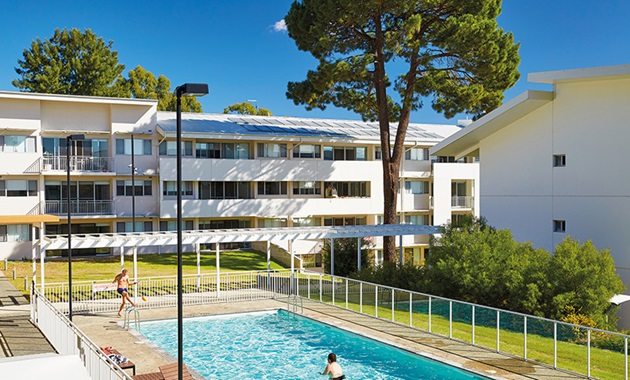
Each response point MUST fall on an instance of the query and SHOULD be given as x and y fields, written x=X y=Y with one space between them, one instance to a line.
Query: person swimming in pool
x=333 y=369
x=122 y=282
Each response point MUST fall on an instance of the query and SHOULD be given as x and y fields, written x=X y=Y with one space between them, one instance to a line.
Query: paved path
x=18 y=336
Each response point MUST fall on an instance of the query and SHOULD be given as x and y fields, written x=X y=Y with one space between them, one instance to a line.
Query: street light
x=69 y=139
x=187 y=89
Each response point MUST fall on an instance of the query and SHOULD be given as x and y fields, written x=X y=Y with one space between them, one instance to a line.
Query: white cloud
x=280 y=26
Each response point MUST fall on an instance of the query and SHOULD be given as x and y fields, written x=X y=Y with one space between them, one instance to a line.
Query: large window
x=417 y=154
x=140 y=227
x=170 y=188
x=307 y=188
x=272 y=188
x=124 y=188
x=223 y=224
x=272 y=222
x=141 y=147
x=171 y=225
x=417 y=219
x=169 y=148
x=417 y=187
x=17 y=144
x=53 y=146
x=347 y=189
x=208 y=150
x=225 y=190
x=307 y=151
x=82 y=190
x=18 y=188
x=344 y=153
x=345 y=221
x=15 y=232
x=307 y=222
x=270 y=150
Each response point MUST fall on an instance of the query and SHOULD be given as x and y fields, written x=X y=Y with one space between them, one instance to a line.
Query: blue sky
x=232 y=45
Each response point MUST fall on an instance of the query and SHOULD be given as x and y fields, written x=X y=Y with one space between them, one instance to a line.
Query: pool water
x=279 y=345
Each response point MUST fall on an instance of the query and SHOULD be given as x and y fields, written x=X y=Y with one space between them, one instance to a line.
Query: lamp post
x=69 y=140
x=187 y=89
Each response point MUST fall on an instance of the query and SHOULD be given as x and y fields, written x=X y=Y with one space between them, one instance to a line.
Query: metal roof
x=213 y=124
x=144 y=239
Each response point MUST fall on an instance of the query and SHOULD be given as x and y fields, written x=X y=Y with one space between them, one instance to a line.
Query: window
x=341 y=153
x=223 y=224
x=170 y=188
x=378 y=257
x=559 y=226
x=141 y=147
x=140 y=226
x=345 y=221
x=306 y=222
x=442 y=159
x=18 y=188
x=272 y=222
x=269 y=150
x=124 y=188
x=417 y=187
x=272 y=188
x=422 y=220
x=307 y=188
x=169 y=148
x=17 y=144
x=307 y=151
x=347 y=189
x=559 y=160
x=417 y=154
x=224 y=190
x=208 y=150
x=171 y=225
x=15 y=232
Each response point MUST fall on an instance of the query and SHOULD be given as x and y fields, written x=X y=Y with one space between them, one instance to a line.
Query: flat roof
x=203 y=125
x=76 y=98
x=467 y=140
x=144 y=239
x=579 y=75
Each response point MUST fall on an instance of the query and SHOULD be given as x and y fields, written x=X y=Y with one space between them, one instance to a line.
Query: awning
x=28 y=219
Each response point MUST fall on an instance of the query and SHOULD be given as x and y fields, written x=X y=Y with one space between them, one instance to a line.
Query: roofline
x=579 y=75
x=76 y=98
x=466 y=140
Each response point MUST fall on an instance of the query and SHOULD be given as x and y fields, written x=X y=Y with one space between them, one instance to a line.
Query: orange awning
x=27 y=219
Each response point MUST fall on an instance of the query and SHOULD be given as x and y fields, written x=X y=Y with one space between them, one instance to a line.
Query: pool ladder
x=136 y=318
x=292 y=304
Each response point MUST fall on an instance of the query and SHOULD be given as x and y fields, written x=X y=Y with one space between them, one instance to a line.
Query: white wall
x=443 y=175
x=20 y=114
x=75 y=117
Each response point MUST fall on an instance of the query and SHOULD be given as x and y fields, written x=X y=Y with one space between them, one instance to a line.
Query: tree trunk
x=391 y=175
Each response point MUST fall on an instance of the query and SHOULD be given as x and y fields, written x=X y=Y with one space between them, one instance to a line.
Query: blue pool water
x=279 y=345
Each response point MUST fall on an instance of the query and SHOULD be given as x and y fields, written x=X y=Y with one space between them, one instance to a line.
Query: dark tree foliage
x=384 y=58
x=144 y=85
x=345 y=256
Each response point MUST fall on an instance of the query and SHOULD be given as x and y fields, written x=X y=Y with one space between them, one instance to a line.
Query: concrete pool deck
x=107 y=330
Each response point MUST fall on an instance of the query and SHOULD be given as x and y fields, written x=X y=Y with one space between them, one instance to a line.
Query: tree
x=71 y=62
x=246 y=108
x=345 y=256
x=450 y=50
x=144 y=85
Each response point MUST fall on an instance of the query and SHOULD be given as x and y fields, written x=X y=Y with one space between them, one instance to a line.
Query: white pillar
x=218 y=265
x=292 y=265
x=359 y=253
x=268 y=256
x=332 y=257
x=42 y=257
x=198 y=250
x=122 y=258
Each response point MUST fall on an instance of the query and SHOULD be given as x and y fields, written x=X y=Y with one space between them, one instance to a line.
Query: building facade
x=551 y=162
x=238 y=172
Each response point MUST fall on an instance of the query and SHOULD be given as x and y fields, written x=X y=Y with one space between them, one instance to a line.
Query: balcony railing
x=100 y=207
x=77 y=163
x=461 y=202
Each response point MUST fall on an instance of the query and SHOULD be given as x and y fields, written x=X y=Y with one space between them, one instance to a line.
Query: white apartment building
x=552 y=162
x=238 y=172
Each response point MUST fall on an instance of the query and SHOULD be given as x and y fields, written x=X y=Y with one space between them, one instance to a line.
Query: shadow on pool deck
x=106 y=330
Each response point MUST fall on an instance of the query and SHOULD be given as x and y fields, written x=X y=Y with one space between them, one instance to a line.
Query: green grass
x=149 y=265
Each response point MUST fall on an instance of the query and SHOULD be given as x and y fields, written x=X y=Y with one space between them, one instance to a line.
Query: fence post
x=473 y=325
x=346 y=293
x=555 y=345
x=393 y=304
x=25 y=282
x=6 y=264
x=588 y=353
x=14 y=273
x=332 y=284
x=410 y=309
x=525 y=338
x=361 y=297
x=308 y=283
x=376 y=300
x=321 y=282
x=429 y=313
x=625 y=354
x=498 y=329
x=450 y=319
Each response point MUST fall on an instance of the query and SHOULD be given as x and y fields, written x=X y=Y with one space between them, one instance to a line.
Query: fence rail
x=587 y=351
x=78 y=163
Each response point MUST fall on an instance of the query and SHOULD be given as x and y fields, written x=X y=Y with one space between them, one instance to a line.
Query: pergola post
x=122 y=258
x=198 y=250
x=218 y=265
x=332 y=256
x=292 y=265
x=135 y=274
x=42 y=258
x=401 y=250
x=359 y=254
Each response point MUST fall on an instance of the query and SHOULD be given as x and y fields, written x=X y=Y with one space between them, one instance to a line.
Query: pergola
x=196 y=238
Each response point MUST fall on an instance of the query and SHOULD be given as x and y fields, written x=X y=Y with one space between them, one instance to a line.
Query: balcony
x=100 y=207
x=77 y=163
x=462 y=202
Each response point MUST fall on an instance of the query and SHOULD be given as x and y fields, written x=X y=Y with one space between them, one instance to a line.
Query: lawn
x=149 y=265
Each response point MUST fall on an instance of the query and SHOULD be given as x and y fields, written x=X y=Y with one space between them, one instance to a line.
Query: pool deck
x=107 y=330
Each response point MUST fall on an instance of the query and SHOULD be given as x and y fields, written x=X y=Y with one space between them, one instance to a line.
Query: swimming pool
x=279 y=345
